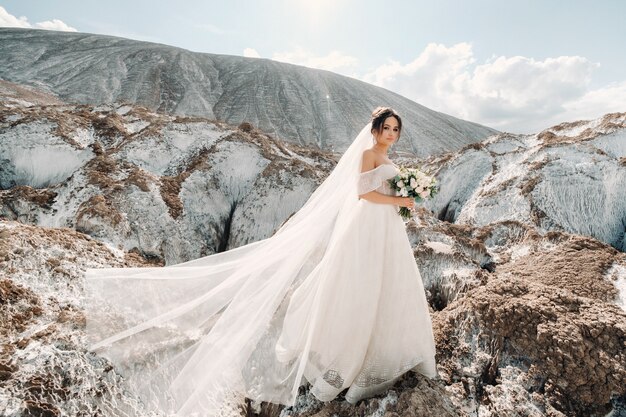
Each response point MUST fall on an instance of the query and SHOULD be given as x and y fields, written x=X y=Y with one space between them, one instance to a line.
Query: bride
x=333 y=299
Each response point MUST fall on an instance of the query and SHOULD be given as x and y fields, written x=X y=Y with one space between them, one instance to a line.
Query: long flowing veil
x=196 y=337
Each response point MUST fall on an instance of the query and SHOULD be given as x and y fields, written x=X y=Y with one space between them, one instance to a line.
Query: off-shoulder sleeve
x=368 y=181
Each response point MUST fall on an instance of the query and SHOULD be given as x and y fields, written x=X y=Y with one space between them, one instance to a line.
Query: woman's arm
x=376 y=197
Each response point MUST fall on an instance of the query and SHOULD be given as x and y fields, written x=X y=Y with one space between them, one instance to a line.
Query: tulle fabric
x=371 y=180
x=334 y=298
x=377 y=180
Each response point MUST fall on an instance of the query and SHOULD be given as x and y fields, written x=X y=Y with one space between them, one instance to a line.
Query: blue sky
x=517 y=66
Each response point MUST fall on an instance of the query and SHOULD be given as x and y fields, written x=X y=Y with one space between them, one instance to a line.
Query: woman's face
x=389 y=133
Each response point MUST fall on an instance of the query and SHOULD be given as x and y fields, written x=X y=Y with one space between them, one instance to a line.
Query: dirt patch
x=68 y=122
x=499 y=188
x=189 y=119
x=570 y=345
x=18 y=92
x=100 y=207
x=171 y=185
x=18 y=307
x=43 y=198
x=170 y=188
x=101 y=170
x=527 y=186
x=555 y=135
x=550 y=313
x=245 y=127
x=577 y=265
x=136 y=257
x=476 y=146
x=537 y=165
x=108 y=125
x=139 y=178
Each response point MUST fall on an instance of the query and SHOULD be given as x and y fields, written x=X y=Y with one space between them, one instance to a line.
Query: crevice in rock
x=445 y=215
x=489 y=265
x=222 y=245
x=491 y=371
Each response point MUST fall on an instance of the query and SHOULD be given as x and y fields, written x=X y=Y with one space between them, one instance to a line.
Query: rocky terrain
x=168 y=187
x=45 y=369
x=294 y=103
x=570 y=177
x=525 y=324
x=521 y=253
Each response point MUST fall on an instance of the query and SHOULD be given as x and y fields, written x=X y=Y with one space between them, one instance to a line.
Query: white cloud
x=8 y=20
x=251 y=53
x=55 y=24
x=516 y=94
x=333 y=61
x=595 y=103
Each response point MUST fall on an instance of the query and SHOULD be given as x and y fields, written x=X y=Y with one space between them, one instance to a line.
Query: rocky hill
x=294 y=103
x=169 y=187
x=570 y=177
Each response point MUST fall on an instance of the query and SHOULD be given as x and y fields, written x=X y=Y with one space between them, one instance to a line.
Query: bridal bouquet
x=411 y=182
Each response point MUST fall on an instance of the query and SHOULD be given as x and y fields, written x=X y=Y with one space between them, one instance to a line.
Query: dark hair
x=380 y=114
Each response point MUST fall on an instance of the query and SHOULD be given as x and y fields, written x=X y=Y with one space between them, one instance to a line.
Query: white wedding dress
x=371 y=312
x=334 y=299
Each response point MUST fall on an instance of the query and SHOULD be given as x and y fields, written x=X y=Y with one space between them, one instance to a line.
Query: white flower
x=404 y=192
x=413 y=183
x=400 y=184
x=424 y=194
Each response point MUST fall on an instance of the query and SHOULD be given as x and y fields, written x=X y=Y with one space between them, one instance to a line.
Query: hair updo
x=380 y=114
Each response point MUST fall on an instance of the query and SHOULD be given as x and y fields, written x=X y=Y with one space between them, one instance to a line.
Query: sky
x=517 y=66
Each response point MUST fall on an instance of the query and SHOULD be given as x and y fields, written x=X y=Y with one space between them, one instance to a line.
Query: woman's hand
x=407 y=202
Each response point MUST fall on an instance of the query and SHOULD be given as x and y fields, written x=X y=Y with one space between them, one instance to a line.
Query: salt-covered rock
x=173 y=190
x=45 y=368
x=543 y=331
x=573 y=181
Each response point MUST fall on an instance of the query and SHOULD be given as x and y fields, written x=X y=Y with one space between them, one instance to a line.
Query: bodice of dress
x=376 y=180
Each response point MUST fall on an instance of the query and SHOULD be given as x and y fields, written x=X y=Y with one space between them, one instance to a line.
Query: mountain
x=287 y=101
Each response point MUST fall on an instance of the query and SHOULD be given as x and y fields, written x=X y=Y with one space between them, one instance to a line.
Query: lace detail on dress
x=376 y=179
x=377 y=374
x=333 y=378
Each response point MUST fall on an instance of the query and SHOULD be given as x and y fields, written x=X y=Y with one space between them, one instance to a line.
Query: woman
x=334 y=298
